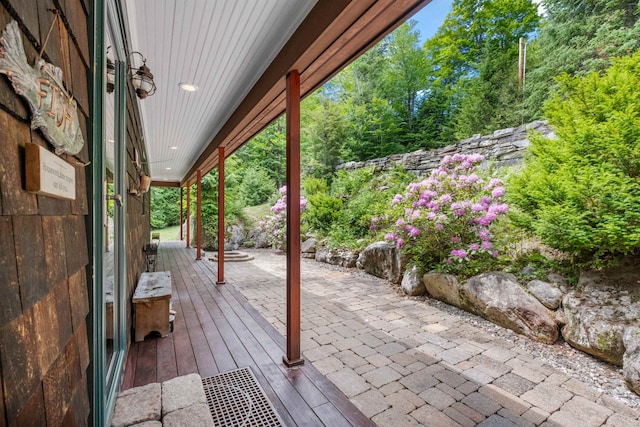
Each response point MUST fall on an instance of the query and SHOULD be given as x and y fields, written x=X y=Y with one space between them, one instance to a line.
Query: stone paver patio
x=405 y=363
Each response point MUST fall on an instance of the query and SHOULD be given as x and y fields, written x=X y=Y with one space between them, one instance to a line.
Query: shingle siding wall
x=44 y=246
x=44 y=347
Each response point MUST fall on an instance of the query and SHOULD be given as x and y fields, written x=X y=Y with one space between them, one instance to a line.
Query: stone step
x=176 y=402
x=232 y=256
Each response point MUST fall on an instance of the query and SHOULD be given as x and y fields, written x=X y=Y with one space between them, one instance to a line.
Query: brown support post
x=292 y=358
x=188 y=214
x=198 y=215
x=220 y=216
x=181 y=214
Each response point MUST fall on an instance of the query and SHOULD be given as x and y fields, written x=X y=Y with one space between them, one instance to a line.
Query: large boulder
x=606 y=305
x=257 y=238
x=341 y=257
x=631 y=359
x=234 y=238
x=499 y=298
x=547 y=294
x=308 y=248
x=412 y=283
x=443 y=287
x=383 y=260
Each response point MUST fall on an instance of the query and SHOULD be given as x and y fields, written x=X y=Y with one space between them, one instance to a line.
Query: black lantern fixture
x=142 y=79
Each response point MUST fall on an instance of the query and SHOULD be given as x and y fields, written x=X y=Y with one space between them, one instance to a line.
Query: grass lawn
x=254 y=214
x=257 y=213
x=170 y=233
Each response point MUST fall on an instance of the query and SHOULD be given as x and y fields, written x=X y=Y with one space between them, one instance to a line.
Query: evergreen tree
x=471 y=62
x=323 y=134
x=406 y=78
x=578 y=37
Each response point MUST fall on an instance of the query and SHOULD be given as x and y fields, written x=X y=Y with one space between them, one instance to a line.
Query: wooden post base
x=291 y=363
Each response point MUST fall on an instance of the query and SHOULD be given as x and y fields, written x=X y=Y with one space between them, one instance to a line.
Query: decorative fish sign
x=53 y=111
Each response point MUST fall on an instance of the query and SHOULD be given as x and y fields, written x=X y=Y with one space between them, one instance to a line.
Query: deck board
x=217 y=330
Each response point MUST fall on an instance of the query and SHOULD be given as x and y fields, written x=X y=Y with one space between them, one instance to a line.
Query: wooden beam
x=181 y=213
x=172 y=184
x=293 y=358
x=198 y=215
x=220 y=280
x=188 y=214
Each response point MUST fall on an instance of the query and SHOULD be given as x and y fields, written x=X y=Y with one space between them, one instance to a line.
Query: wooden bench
x=151 y=301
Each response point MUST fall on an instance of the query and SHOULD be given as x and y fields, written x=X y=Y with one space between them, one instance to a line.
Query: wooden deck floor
x=217 y=330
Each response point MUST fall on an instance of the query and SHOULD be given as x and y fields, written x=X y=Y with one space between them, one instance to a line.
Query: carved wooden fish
x=53 y=111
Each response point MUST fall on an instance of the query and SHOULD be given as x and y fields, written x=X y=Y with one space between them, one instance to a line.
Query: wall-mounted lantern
x=142 y=79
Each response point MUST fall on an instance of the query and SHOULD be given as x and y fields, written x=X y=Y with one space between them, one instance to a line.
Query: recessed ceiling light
x=168 y=169
x=174 y=147
x=188 y=87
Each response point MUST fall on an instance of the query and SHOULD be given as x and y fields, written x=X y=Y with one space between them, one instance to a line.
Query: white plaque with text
x=48 y=174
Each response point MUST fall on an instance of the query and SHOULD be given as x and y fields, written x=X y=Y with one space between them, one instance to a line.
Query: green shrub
x=165 y=207
x=322 y=211
x=232 y=209
x=365 y=195
x=314 y=186
x=580 y=192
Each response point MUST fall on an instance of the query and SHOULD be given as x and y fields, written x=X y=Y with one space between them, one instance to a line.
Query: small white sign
x=48 y=174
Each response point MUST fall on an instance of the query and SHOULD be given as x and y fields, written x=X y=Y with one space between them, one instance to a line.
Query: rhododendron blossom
x=448 y=216
x=276 y=225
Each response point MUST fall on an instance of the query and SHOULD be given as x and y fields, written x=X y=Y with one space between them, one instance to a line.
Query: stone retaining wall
x=503 y=147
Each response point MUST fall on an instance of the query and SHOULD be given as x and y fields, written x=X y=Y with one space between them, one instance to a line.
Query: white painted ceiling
x=223 y=47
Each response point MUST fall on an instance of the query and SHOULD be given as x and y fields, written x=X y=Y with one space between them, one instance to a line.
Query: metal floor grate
x=235 y=398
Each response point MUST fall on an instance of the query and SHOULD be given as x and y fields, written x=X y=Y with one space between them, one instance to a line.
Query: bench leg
x=151 y=317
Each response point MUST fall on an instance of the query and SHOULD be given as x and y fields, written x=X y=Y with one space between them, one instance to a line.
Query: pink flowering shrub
x=276 y=225
x=448 y=217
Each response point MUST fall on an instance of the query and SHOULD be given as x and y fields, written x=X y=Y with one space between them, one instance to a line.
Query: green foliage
x=165 y=207
x=256 y=186
x=266 y=151
x=580 y=192
x=489 y=99
x=322 y=211
x=233 y=204
x=314 y=186
x=578 y=37
x=343 y=213
x=379 y=97
x=473 y=63
x=540 y=266
x=473 y=30
x=406 y=76
x=323 y=134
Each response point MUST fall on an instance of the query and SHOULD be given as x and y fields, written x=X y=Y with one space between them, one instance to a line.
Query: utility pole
x=522 y=65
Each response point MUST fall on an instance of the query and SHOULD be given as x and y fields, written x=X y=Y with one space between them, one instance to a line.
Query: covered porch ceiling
x=238 y=53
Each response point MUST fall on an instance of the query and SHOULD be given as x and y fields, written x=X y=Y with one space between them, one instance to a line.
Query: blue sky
x=431 y=17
